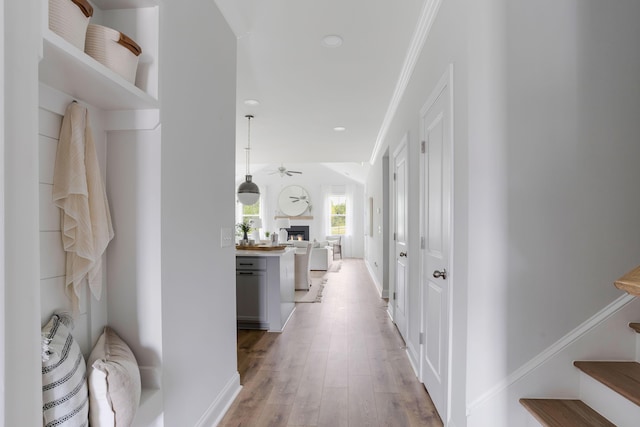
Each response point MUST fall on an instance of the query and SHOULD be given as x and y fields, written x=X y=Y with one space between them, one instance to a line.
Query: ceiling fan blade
x=288 y=173
x=295 y=172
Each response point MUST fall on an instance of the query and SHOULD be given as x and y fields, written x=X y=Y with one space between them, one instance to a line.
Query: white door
x=400 y=233
x=436 y=132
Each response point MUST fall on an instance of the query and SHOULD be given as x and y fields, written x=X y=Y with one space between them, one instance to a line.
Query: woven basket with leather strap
x=114 y=50
x=69 y=19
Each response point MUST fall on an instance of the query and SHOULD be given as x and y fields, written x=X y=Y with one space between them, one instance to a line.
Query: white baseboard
x=286 y=321
x=390 y=314
x=220 y=406
x=414 y=359
x=374 y=279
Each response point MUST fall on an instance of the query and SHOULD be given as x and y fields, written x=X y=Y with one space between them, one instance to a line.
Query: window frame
x=343 y=200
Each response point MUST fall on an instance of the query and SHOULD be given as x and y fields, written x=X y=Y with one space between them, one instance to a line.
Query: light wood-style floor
x=340 y=362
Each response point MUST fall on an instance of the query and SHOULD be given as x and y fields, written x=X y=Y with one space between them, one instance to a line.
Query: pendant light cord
x=249 y=117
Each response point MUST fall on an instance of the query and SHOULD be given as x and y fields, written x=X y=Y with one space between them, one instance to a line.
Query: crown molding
x=427 y=18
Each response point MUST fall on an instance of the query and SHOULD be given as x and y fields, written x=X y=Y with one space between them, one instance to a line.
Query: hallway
x=338 y=363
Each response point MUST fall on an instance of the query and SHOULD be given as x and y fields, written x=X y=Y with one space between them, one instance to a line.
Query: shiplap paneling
x=47 y=146
x=49 y=213
x=92 y=314
x=52 y=291
x=52 y=256
x=50 y=124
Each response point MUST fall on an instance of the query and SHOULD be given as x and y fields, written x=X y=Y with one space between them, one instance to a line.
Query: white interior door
x=400 y=232
x=436 y=232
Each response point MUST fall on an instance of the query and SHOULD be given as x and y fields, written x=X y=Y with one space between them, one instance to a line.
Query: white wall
x=553 y=173
x=545 y=217
x=22 y=385
x=445 y=45
x=2 y=184
x=314 y=177
x=134 y=255
x=374 y=245
x=197 y=89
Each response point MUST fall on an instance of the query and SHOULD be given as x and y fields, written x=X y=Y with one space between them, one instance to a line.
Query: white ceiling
x=306 y=89
x=356 y=172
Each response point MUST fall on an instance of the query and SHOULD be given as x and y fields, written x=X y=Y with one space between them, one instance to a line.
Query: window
x=338 y=214
x=250 y=212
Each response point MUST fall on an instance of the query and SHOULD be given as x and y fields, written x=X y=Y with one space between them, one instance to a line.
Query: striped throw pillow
x=64 y=386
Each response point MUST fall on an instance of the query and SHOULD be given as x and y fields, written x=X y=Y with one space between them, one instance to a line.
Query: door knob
x=440 y=274
x=403 y=254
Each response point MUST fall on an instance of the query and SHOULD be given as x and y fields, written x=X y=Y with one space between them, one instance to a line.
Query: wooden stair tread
x=623 y=377
x=635 y=327
x=630 y=282
x=564 y=413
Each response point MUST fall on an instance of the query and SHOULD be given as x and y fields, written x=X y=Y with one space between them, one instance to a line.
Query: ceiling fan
x=284 y=171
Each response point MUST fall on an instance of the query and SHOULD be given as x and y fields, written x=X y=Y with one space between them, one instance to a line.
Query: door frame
x=440 y=89
x=404 y=143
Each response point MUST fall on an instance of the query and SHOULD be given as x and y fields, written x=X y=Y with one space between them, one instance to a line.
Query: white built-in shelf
x=70 y=70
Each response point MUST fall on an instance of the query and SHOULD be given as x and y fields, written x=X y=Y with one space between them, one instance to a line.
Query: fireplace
x=298 y=232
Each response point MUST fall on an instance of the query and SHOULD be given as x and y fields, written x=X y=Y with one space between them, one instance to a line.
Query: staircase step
x=635 y=327
x=630 y=282
x=622 y=377
x=564 y=413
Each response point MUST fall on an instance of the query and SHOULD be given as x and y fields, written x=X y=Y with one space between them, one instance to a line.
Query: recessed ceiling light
x=251 y=102
x=339 y=128
x=332 y=40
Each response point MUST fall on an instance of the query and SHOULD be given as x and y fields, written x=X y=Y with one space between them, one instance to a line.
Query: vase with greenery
x=244 y=227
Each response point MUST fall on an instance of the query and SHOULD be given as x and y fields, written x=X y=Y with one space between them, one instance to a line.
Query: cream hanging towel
x=79 y=192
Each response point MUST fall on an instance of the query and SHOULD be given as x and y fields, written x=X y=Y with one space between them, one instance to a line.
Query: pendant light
x=248 y=191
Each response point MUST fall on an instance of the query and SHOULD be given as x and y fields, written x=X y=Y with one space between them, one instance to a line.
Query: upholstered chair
x=336 y=242
x=302 y=265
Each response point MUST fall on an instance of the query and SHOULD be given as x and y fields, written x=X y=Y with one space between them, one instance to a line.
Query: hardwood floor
x=340 y=362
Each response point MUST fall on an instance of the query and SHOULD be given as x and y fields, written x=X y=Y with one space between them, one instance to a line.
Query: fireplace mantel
x=292 y=217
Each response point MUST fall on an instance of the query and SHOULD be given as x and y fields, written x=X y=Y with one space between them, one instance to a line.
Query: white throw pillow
x=64 y=385
x=114 y=382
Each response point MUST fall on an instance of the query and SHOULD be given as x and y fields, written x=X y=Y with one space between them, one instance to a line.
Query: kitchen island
x=265 y=295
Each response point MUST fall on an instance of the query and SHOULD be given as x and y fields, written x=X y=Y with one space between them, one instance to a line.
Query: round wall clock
x=293 y=200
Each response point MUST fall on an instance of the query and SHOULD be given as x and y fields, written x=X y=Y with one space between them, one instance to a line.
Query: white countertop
x=249 y=252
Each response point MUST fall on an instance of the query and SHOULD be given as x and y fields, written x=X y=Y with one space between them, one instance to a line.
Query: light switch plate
x=226 y=237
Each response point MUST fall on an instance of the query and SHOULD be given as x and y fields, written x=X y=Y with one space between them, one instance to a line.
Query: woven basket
x=69 y=19
x=114 y=50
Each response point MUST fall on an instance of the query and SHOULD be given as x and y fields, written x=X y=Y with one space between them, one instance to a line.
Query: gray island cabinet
x=264 y=289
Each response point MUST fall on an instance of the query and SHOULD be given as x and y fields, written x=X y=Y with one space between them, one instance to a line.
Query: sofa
x=322 y=256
